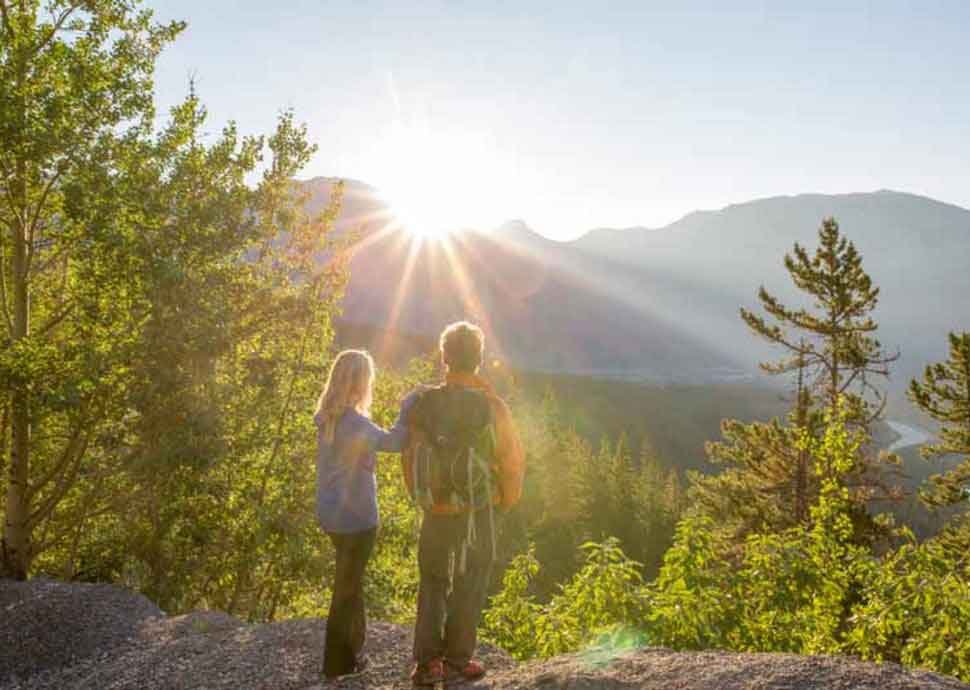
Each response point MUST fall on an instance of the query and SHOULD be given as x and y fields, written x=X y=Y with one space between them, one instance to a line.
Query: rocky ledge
x=58 y=635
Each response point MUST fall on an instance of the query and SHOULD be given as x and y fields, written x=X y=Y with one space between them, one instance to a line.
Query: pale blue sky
x=579 y=115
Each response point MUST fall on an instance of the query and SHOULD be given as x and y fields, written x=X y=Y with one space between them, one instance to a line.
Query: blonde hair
x=350 y=385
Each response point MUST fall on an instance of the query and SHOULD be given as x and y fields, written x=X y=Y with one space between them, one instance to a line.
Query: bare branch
x=56 y=26
x=13 y=205
x=878 y=411
x=64 y=482
x=849 y=381
x=56 y=319
x=32 y=226
x=4 y=417
x=4 y=308
x=51 y=259
x=57 y=468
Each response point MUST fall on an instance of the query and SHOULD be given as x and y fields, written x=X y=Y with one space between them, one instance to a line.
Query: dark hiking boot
x=429 y=674
x=360 y=665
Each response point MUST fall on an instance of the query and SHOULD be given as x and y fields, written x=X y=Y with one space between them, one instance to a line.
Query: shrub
x=602 y=605
x=917 y=610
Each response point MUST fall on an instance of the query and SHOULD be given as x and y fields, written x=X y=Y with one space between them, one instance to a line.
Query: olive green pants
x=450 y=602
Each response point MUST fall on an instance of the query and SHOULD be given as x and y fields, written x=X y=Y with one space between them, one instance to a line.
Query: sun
x=422 y=205
x=436 y=182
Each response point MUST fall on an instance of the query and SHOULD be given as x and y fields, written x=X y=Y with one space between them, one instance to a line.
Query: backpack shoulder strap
x=423 y=411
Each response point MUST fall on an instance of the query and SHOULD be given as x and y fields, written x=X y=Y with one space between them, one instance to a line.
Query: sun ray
x=413 y=247
x=361 y=225
x=470 y=297
x=433 y=180
x=623 y=285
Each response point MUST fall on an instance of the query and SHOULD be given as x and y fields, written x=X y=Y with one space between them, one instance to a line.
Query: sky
x=572 y=116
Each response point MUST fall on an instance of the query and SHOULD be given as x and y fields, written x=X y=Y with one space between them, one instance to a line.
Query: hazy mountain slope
x=360 y=204
x=538 y=312
x=916 y=249
x=658 y=304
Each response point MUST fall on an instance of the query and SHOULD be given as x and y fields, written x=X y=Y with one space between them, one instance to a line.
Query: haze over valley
x=657 y=304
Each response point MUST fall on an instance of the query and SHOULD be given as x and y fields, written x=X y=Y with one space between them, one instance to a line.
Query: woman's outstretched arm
x=393 y=439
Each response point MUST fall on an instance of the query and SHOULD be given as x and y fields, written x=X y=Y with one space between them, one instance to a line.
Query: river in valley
x=908 y=436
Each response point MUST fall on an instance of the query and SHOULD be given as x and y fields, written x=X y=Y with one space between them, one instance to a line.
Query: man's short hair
x=462 y=347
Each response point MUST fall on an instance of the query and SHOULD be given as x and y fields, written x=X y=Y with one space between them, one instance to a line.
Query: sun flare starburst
x=437 y=182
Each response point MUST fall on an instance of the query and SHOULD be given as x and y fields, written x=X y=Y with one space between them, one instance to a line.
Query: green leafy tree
x=211 y=503
x=606 y=495
x=767 y=481
x=810 y=589
x=841 y=565
x=944 y=394
x=549 y=518
x=167 y=327
x=75 y=105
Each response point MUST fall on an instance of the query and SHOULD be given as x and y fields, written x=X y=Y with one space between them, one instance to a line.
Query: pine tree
x=764 y=485
x=769 y=482
x=944 y=394
x=837 y=350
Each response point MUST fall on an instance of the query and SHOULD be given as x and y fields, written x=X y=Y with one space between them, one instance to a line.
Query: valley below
x=658 y=305
x=908 y=436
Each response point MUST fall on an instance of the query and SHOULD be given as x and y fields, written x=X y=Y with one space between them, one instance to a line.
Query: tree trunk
x=801 y=471
x=15 y=546
x=16 y=530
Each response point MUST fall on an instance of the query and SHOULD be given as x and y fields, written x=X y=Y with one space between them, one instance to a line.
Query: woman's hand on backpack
x=407 y=402
x=413 y=394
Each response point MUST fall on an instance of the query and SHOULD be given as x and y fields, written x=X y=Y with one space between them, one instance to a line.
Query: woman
x=347 y=446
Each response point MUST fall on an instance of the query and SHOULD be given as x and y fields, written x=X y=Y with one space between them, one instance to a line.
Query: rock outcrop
x=58 y=635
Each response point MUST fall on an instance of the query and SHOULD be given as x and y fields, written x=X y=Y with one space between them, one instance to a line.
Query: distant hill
x=916 y=249
x=657 y=304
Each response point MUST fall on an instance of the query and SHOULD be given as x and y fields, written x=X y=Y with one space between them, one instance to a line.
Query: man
x=463 y=464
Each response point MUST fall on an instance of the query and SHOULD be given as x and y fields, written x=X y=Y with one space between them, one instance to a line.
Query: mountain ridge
x=357 y=186
x=761 y=201
x=658 y=305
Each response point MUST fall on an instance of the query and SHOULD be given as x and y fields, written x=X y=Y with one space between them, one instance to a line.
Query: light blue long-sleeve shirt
x=346 y=484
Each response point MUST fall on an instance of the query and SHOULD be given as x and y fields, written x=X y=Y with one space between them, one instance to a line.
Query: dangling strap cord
x=491 y=511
